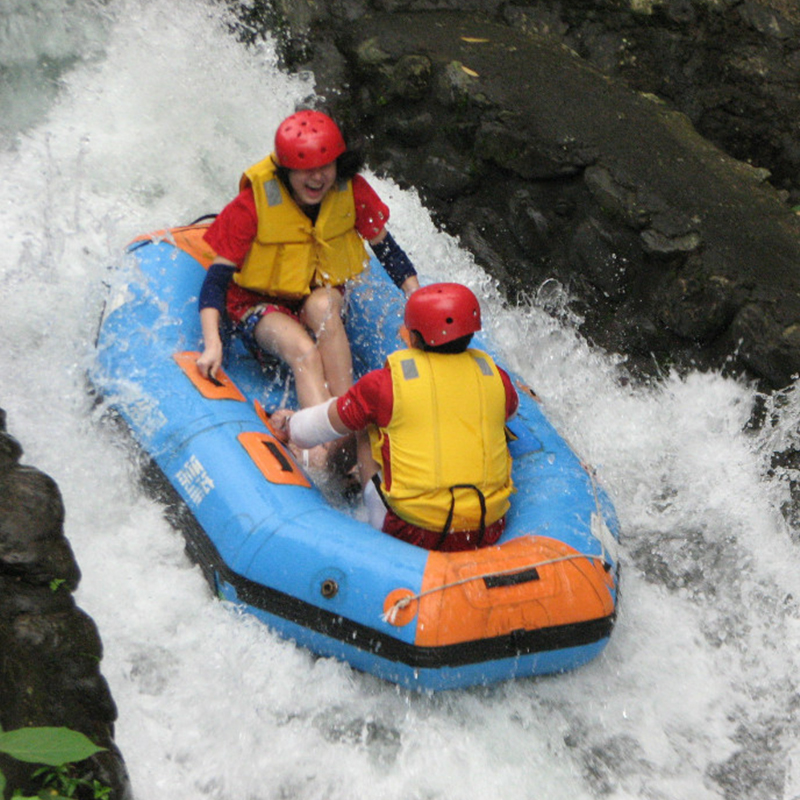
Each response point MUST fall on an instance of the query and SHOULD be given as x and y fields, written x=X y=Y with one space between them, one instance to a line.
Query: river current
x=126 y=116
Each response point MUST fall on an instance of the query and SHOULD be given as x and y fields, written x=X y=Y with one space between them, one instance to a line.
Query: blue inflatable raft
x=541 y=601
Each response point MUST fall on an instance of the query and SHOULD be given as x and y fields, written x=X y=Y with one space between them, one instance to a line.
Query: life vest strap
x=376 y=479
x=449 y=521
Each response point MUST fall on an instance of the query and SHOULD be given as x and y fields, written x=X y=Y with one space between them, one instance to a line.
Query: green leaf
x=52 y=746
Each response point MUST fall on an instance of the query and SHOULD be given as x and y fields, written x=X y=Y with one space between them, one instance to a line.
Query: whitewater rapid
x=127 y=116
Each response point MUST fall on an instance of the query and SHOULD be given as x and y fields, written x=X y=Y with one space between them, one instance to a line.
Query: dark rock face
x=50 y=649
x=522 y=131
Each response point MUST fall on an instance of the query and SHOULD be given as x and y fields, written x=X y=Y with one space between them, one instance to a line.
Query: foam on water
x=143 y=119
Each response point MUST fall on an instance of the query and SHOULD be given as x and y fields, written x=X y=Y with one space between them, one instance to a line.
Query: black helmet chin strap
x=449 y=521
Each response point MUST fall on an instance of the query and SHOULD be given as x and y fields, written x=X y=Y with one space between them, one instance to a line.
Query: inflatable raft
x=541 y=601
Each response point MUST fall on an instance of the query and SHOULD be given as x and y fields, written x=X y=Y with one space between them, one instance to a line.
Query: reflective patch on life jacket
x=483 y=365
x=410 y=369
x=272 y=191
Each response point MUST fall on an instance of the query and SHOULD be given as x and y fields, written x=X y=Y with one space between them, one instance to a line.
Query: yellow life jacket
x=450 y=466
x=290 y=255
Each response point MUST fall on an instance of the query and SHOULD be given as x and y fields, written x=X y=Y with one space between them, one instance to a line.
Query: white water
x=133 y=115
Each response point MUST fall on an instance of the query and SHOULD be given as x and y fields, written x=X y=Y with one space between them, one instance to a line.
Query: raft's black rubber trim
x=333 y=624
x=518 y=643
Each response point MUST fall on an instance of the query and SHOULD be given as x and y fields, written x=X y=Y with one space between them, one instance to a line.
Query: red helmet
x=307 y=140
x=443 y=312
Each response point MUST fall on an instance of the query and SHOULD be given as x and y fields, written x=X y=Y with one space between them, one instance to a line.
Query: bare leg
x=322 y=369
x=286 y=338
x=322 y=313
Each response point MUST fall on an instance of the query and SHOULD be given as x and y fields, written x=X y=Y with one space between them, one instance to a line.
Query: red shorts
x=453 y=541
x=241 y=303
x=246 y=308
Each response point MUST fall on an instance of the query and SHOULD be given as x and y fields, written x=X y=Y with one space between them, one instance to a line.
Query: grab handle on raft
x=271 y=458
x=511 y=579
x=219 y=388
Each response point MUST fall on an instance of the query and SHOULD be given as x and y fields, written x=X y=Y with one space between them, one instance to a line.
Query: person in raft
x=437 y=472
x=286 y=246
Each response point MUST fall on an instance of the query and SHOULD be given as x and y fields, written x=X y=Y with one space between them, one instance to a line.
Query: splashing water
x=128 y=117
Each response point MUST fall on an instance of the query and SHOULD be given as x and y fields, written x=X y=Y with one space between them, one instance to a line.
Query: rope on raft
x=390 y=615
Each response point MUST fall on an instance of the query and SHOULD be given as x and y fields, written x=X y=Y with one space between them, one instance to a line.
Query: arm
x=211 y=358
x=512 y=398
x=397 y=264
x=212 y=306
x=369 y=401
x=336 y=421
x=372 y=214
x=316 y=425
x=410 y=285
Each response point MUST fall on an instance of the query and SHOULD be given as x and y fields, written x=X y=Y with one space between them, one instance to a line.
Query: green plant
x=58 y=749
x=61 y=782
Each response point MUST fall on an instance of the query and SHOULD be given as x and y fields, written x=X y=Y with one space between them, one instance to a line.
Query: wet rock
x=697 y=307
x=50 y=649
x=412 y=130
x=766 y=341
x=645 y=155
x=528 y=223
x=32 y=544
x=603 y=257
x=10 y=449
x=618 y=198
x=411 y=77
